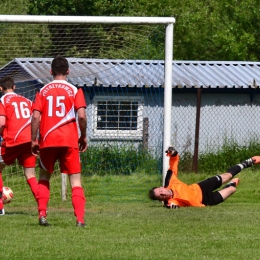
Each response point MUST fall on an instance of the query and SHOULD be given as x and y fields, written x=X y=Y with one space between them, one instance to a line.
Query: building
x=212 y=103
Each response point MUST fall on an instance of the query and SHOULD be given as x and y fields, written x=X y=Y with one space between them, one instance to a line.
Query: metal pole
x=64 y=187
x=197 y=132
x=167 y=94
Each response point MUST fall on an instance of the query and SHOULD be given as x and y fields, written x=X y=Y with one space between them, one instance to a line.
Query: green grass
x=123 y=224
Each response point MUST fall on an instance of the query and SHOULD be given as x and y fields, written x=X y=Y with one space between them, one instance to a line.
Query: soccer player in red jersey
x=54 y=114
x=176 y=193
x=15 y=130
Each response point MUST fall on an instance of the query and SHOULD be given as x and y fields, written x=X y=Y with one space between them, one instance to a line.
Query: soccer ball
x=7 y=195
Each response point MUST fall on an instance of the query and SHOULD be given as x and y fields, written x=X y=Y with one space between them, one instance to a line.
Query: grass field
x=123 y=224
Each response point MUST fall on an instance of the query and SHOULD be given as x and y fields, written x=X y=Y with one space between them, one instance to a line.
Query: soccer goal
x=123 y=64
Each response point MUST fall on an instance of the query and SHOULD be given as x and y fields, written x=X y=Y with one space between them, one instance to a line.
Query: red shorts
x=68 y=157
x=21 y=152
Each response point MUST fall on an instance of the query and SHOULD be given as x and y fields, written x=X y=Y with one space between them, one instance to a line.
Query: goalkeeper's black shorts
x=211 y=197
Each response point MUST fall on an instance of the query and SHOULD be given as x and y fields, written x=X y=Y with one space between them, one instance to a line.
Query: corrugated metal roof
x=140 y=73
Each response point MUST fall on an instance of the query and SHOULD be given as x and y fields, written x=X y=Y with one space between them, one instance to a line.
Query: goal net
x=120 y=63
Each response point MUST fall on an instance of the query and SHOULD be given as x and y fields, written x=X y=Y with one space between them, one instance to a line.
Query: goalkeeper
x=177 y=194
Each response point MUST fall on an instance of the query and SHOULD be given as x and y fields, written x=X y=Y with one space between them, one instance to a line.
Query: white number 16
x=21 y=110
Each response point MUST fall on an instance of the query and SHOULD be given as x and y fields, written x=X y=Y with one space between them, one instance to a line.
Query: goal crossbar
x=85 y=19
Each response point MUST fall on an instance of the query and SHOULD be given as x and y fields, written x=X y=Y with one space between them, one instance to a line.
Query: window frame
x=115 y=134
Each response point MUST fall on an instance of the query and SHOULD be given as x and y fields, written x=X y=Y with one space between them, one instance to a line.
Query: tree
x=110 y=41
x=204 y=30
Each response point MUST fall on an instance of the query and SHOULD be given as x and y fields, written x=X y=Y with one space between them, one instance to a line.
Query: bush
x=113 y=160
x=228 y=155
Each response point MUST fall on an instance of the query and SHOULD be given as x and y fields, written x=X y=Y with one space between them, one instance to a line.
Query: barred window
x=118 y=117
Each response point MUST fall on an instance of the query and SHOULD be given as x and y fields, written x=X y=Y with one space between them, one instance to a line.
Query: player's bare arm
x=82 y=121
x=36 y=118
x=2 y=124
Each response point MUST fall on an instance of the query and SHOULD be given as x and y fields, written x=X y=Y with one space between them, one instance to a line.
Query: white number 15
x=59 y=106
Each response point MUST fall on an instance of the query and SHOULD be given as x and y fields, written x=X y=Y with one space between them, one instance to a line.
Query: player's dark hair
x=151 y=193
x=7 y=83
x=59 y=66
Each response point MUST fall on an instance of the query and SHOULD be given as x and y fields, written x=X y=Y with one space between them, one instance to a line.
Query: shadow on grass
x=18 y=213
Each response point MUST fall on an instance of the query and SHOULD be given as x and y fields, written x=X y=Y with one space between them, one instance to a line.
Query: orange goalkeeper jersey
x=184 y=195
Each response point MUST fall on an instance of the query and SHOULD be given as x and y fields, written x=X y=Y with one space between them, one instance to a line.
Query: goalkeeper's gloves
x=172 y=206
x=256 y=159
x=171 y=151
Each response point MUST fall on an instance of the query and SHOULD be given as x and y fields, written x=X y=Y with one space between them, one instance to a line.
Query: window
x=118 y=117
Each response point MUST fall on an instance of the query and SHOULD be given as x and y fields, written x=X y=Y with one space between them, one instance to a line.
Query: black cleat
x=43 y=221
x=80 y=224
x=2 y=212
x=233 y=183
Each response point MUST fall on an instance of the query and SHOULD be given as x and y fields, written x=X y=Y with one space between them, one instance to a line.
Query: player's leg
x=77 y=198
x=218 y=197
x=226 y=192
x=230 y=188
x=46 y=164
x=227 y=176
x=2 y=211
x=6 y=158
x=43 y=196
x=29 y=174
x=234 y=170
x=28 y=161
x=70 y=164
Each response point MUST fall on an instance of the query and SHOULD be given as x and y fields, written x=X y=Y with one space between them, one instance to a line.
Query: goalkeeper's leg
x=230 y=188
x=234 y=170
x=245 y=164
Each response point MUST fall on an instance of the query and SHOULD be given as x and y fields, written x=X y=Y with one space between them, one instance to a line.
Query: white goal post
x=168 y=22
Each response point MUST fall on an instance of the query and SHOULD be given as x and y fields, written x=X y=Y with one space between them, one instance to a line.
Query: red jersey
x=17 y=110
x=57 y=102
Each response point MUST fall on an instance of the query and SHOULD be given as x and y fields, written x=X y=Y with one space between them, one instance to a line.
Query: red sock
x=1 y=191
x=78 y=202
x=32 y=182
x=43 y=196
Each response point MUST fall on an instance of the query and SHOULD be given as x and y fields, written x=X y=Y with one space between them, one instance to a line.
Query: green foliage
x=13 y=7
x=218 y=161
x=80 y=7
x=204 y=30
x=20 y=35
x=186 y=162
x=215 y=30
x=228 y=155
x=113 y=160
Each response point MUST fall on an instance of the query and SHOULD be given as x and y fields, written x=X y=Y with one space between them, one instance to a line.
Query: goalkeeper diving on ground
x=176 y=193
